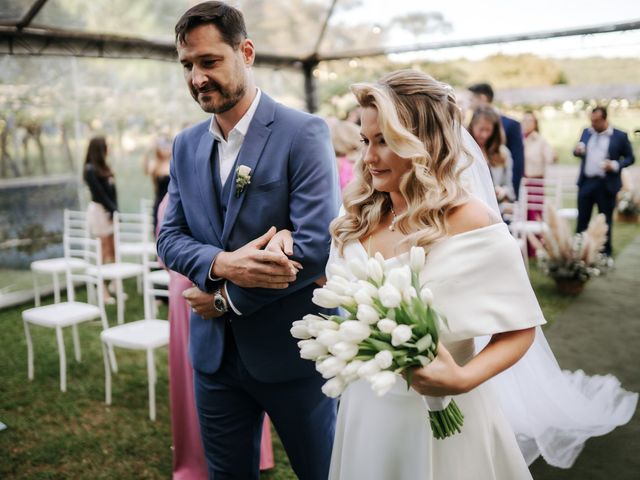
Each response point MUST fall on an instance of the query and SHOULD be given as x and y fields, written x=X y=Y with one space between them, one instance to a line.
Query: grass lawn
x=54 y=435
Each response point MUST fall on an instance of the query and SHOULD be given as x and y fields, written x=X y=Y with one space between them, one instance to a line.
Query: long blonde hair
x=420 y=120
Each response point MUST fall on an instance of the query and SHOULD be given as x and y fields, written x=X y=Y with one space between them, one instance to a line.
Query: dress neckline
x=440 y=243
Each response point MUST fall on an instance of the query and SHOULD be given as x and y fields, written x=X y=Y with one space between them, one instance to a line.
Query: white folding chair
x=147 y=334
x=75 y=226
x=133 y=235
x=70 y=313
x=566 y=194
x=119 y=270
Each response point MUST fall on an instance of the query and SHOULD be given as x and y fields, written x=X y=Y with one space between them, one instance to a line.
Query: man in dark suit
x=482 y=94
x=603 y=151
x=253 y=165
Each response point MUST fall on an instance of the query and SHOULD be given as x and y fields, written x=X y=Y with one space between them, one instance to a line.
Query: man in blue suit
x=603 y=151
x=254 y=165
x=482 y=94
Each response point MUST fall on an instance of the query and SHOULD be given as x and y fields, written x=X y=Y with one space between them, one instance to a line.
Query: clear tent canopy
x=73 y=69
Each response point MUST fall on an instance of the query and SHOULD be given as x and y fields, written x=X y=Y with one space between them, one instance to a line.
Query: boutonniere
x=243 y=178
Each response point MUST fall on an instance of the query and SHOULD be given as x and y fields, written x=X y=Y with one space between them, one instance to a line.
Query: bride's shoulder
x=472 y=215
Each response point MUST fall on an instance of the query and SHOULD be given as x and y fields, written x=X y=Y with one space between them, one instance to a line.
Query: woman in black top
x=104 y=201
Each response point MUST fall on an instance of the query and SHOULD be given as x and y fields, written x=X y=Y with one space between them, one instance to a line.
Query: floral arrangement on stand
x=387 y=327
x=628 y=207
x=571 y=259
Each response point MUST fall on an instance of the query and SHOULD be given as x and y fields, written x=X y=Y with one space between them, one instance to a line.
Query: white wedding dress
x=480 y=284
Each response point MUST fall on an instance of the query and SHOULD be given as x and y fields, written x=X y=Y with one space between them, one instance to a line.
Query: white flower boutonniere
x=243 y=178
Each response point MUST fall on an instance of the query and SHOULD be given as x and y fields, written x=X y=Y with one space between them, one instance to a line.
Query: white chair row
x=147 y=334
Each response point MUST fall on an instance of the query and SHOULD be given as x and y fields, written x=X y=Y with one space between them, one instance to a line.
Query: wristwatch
x=219 y=302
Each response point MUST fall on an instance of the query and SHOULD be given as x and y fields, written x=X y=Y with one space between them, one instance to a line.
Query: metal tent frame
x=23 y=37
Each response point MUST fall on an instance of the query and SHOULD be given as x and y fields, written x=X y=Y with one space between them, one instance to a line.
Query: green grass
x=54 y=435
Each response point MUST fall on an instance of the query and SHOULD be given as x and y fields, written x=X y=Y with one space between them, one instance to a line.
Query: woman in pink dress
x=188 y=455
x=345 y=137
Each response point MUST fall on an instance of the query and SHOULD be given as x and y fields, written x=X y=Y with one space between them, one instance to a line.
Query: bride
x=413 y=187
x=408 y=191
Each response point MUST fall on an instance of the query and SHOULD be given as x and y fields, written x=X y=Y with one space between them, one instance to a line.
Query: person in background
x=104 y=200
x=486 y=130
x=537 y=155
x=537 y=151
x=603 y=151
x=482 y=95
x=158 y=169
x=345 y=137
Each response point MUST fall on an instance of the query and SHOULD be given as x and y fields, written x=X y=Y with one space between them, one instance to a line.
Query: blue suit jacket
x=513 y=134
x=293 y=185
x=619 y=150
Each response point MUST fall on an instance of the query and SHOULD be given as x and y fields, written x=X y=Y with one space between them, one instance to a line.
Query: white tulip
x=382 y=382
x=344 y=350
x=386 y=326
x=368 y=368
x=311 y=317
x=326 y=325
x=350 y=372
x=358 y=269
x=334 y=387
x=326 y=298
x=400 y=278
x=378 y=256
x=328 y=338
x=389 y=295
x=409 y=294
x=330 y=367
x=384 y=359
x=338 y=285
x=353 y=331
x=300 y=330
x=426 y=295
x=400 y=334
x=334 y=269
x=370 y=288
x=367 y=314
x=374 y=270
x=362 y=297
x=311 y=349
x=416 y=259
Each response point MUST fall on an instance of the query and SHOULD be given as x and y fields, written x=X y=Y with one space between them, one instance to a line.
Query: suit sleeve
x=177 y=248
x=313 y=204
x=583 y=139
x=626 y=157
x=516 y=147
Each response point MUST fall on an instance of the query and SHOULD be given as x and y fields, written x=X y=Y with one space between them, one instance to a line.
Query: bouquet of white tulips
x=388 y=326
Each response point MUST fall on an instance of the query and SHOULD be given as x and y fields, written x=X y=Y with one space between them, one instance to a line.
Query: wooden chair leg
x=107 y=372
x=151 y=370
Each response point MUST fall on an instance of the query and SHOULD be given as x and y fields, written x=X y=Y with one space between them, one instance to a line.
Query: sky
x=478 y=19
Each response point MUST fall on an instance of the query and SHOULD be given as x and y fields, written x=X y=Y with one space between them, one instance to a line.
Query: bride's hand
x=443 y=376
x=282 y=241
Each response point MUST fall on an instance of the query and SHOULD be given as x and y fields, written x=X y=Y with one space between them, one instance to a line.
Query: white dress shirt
x=228 y=151
x=597 y=152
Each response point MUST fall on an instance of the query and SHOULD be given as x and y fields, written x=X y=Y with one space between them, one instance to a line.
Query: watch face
x=219 y=303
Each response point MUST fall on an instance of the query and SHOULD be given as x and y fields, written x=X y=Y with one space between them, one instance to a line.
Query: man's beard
x=229 y=98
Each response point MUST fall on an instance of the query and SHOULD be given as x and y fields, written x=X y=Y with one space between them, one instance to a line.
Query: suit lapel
x=250 y=153
x=204 y=177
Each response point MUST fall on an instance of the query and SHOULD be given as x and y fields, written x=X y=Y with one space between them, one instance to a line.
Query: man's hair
x=602 y=110
x=482 y=89
x=228 y=20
